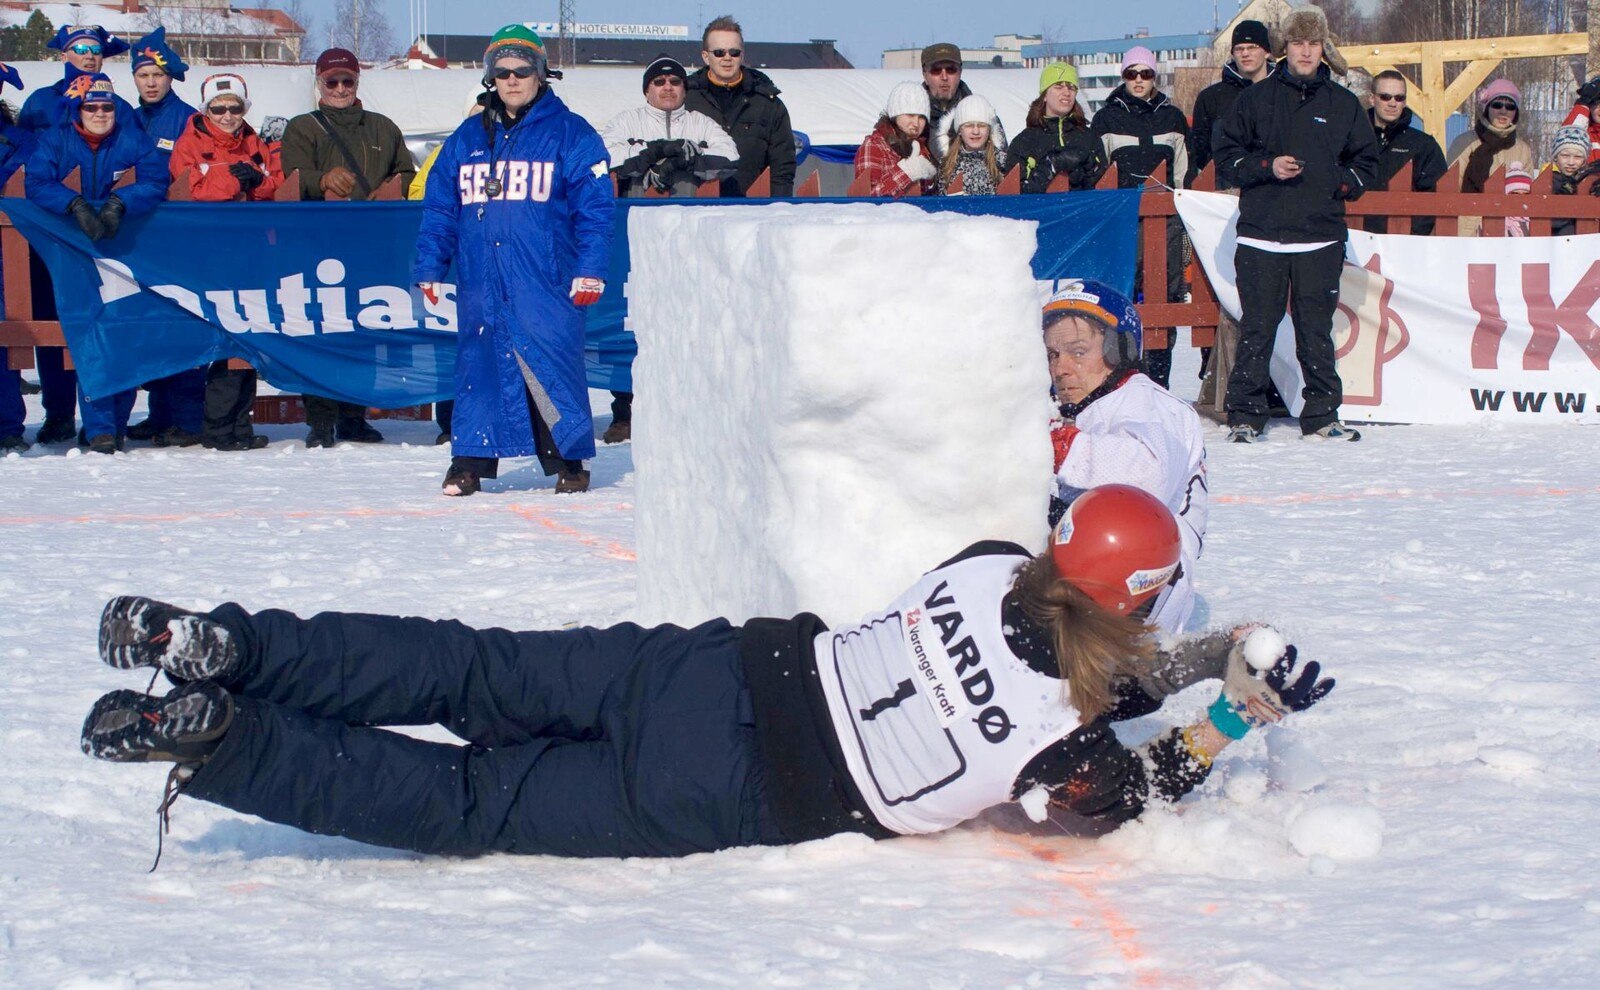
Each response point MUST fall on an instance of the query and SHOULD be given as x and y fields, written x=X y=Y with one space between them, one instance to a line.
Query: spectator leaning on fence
x=16 y=144
x=220 y=158
x=1569 y=164
x=894 y=157
x=941 y=78
x=1116 y=426
x=744 y=102
x=1057 y=140
x=342 y=151
x=972 y=153
x=1583 y=114
x=84 y=49
x=1492 y=143
x=1143 y=130
x=177 y=401
x=102 y=147
x=520 y=199
x=1400 y=143
x=1298 y=146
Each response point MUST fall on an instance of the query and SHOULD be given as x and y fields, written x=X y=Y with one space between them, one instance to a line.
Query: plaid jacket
x=876 y=159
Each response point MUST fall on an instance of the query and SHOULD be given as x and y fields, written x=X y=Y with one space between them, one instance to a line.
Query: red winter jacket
x=877 y=159
x=1580 y=115
x=205 y=153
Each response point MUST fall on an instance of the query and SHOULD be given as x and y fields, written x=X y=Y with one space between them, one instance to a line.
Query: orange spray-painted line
x=611 y=548
x=1124 y=935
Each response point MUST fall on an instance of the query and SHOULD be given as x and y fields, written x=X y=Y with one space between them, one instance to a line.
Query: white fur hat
x=971 y=110
x=907 y=98
x=224 y=84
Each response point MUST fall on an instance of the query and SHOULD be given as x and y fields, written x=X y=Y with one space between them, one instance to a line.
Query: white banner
x=1441 y=329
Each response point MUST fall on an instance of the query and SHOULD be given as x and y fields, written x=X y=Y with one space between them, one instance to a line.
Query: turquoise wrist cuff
x=1226 y=720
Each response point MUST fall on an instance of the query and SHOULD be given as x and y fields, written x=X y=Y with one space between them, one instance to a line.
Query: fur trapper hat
x=1309 y=23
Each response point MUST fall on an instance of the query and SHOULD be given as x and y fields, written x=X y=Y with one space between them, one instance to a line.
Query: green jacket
x=373 y=139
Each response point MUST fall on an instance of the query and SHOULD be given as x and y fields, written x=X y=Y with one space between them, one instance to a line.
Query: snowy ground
x=1445 y=575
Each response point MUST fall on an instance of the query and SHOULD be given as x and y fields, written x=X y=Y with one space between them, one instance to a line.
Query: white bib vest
x=935 y=715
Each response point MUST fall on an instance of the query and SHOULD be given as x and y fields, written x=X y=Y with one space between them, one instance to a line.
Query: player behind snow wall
x=993 y=678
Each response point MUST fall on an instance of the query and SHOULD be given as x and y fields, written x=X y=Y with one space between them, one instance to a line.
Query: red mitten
x=1062 y=434
x=586 y=291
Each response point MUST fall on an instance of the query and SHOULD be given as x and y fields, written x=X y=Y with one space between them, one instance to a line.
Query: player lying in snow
x=994 y=674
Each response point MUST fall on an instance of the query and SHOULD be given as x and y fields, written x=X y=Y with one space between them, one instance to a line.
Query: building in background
x=1099 y=63
x=623 y=44
x=1005 y=54
x=203 y=30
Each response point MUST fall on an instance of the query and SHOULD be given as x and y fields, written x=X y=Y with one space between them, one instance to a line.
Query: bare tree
x=301 y=15
x=362 y=27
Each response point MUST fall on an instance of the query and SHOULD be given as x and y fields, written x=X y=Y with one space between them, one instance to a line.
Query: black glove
x=248 y=175
x=1589 y=93
x=682 y=151
x=654 y=151
x=88 y=219
x=1304 y=691
x=111 y=216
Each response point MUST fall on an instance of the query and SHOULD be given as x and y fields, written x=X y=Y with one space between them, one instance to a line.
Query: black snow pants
x=1309 y=283
x=623 y=741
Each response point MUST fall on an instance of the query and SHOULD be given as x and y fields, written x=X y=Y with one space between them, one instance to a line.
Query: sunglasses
x=84 y=48
x=726 y=52
x=231 y=110
x=341 y=82
x=99 y=108
x=944 y=69
x=1131 y=74
x=521 y=73
x=1390 y=97
x=1502 y=105
x=662 y=82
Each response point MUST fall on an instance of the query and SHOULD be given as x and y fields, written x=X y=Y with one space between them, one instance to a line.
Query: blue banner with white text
x=318 y=299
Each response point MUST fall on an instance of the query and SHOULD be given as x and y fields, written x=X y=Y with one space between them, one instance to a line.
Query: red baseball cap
x=337 y=58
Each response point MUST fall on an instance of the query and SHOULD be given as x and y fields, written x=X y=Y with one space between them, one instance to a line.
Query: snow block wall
x=831 y=400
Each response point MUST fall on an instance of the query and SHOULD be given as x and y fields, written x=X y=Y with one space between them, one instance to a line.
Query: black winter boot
x=183 y=727
x=142 y=632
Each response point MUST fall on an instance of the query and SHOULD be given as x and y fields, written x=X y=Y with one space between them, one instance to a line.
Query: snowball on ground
x=832 y=399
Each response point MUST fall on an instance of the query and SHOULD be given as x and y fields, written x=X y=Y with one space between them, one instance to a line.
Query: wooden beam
x=1520 y=46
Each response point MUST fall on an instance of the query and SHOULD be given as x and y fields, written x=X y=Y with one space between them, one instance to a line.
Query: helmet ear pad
x=1121 y=347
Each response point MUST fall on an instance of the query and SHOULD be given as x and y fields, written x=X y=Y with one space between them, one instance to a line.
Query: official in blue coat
x=16 y=144
x=102 y=147
x=177 y=402
x=84 y=49
x=520 y=198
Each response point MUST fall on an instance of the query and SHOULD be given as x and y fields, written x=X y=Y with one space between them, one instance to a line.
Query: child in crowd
x=969 y=150
x=1519 y=182
x=895 y=156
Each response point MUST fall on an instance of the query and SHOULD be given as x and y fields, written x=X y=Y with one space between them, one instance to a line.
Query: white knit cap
x=224 y=84
x=907 y=98
x=972 y=110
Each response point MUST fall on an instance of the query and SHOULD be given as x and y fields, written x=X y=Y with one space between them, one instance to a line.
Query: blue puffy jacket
x=62 y=149
x=165 y=121
x=516 y=255
x=16 y=146
x=45 y=108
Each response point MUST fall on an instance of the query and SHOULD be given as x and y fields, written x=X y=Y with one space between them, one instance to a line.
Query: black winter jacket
x=1212 y=104
x=1399 y=143
x=1139 y=135
x=1059 y=146
x=1315 y=120
x=759 y=123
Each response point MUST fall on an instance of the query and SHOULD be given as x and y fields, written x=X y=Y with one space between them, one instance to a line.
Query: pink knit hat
x=1518 y=178
x=1500 y=87
x=1139 y=55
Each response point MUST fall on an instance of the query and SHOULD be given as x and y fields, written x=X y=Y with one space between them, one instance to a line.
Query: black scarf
x=1071 y=410
x=1481 y=162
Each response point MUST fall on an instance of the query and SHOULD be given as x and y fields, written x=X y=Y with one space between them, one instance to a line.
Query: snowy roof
x=240 y=22
x=643 y=51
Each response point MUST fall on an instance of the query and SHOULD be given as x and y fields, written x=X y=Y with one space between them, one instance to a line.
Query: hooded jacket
x=1058 y=144
x=204 y=153
x=1139 y=135
x=515 y=256
x=62 y=149
x=758 y=122
x=1315 y=120
x=630 y=134
x=1209 y=107
x=1399 y=143
x=45 y=108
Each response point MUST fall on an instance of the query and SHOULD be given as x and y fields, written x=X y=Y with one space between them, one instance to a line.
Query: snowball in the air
x=1342 y=832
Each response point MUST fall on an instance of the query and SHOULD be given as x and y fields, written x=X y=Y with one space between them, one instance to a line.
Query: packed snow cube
x=831 y=399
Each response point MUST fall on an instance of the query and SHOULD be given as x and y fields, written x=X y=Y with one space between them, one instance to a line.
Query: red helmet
x=1117 y=544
